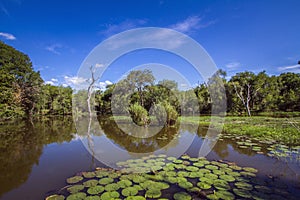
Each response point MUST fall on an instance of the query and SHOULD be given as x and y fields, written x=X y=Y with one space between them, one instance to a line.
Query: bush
x=172 y=114
x=139 y=114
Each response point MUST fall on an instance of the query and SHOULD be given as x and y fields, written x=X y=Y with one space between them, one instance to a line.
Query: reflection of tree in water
x=221 y=148
x=21 y=145
x=135 y=144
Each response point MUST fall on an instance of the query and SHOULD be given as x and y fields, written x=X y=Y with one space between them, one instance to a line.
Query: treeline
x=24 y=93
x=245 y=93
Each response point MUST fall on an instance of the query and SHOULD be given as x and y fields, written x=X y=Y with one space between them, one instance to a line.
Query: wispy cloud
x=82 y=83
x=4 y=3
x=161 y=38
x=53 y=81
x=99 y=65
x=292 y=68
x=190 y=24
x=54 y=48
x=7 y=36
x=233 y=65
x=112 y=29
x=74 y=80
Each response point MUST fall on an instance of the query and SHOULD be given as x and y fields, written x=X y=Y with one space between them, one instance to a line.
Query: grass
x=284 y=130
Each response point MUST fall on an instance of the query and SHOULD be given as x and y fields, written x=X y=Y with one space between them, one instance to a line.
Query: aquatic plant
x=211 y=179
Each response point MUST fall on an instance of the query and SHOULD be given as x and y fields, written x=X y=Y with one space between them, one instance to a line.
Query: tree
x=138 y=80
x=20 y=83
x=244 y=88
x=289 y=99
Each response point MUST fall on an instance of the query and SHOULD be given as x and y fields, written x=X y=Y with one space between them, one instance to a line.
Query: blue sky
x=238 y=35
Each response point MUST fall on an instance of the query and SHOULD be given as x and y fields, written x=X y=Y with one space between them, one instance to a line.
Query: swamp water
x=38 y=158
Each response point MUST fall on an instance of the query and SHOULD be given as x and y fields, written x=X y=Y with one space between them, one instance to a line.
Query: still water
x=36 y=157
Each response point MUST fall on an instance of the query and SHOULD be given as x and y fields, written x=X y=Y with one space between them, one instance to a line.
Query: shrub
x=172 y=114
x=139 y=114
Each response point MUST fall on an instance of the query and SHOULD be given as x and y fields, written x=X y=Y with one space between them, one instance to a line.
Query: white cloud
x=233 y=65
x=102 y=85
x=74 y=80
x=160 y=38
x=107 y=82
x=54 y=48
x=112 y=29
x=49 y=83
x=189 y=24
x=99 y=65
x=292 y=68
x=53 y=81
x=7 y=36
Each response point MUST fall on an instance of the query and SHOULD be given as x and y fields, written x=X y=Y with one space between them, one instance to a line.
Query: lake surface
x=36 y=157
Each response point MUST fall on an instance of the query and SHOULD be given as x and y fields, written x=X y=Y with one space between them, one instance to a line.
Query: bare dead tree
x=247 y=98
x=90 y=91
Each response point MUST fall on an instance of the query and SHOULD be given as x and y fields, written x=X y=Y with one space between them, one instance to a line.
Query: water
x=37 y=156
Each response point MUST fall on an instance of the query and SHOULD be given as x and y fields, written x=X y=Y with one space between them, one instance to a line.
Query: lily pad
x=112 y=187
x=55 y=197
x=223 y=194
x=206 y=180
x=235 y=167
x=185 y=184
x=204 y=185
x=198 y=164
x=88 y=174
x=182 y=196
x=248 y=174
x=92 y=198
x=195 y=175
x=242 y=193
x=177 y=161
x=130 y=191
x=212 y=196
x=153 y=193
x=250 y=169
x=183 y=174
x=243 y=185
x=211 y=176
x=74 y=179
x=110 y=195
x=105 y=181
x=75 y=188
x=77 y=196
x=95 y=190
x=227 y=178
x=124 y=183
x=221 y=185
x=192 y=168
x=91 y=183
x=211 y=167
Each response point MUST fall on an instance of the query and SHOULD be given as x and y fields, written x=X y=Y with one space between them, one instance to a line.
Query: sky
x=238 y=35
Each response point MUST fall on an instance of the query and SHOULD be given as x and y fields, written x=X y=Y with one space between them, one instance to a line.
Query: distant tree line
x=24 y=93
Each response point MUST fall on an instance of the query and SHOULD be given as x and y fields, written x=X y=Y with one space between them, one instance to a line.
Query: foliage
x=24 y=94
x=139 y=114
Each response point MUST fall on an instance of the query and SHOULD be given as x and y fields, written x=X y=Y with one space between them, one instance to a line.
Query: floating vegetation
x=184 y=178
x=267 y=146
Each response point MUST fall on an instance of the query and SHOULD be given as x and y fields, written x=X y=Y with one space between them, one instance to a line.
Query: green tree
x=20 y=84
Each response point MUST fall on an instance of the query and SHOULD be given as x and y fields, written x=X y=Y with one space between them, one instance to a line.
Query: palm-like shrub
x=139 y=114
